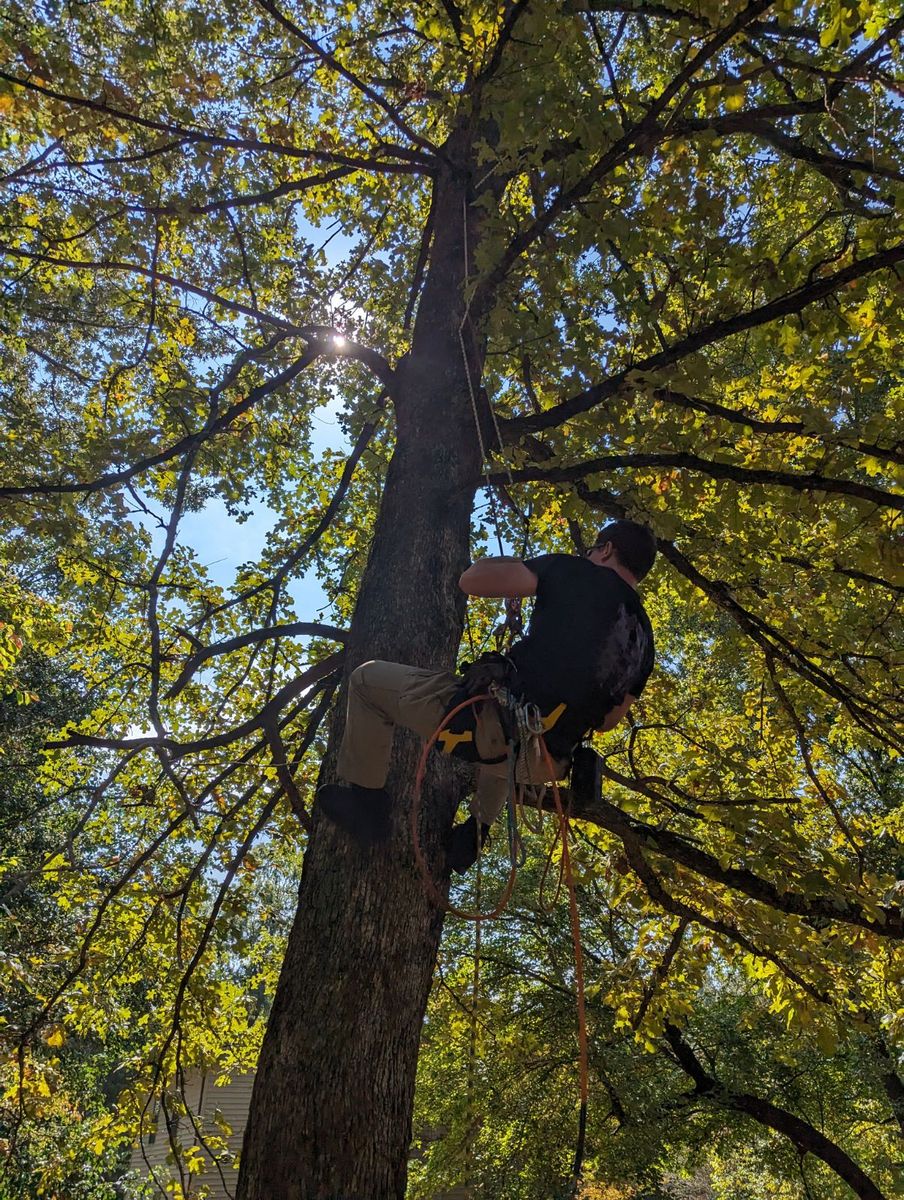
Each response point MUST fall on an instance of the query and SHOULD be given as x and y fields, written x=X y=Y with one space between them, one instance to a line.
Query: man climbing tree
x=585 y=660
x=616 y=259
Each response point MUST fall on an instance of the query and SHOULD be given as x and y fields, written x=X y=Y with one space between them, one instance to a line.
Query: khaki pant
x=382 y=695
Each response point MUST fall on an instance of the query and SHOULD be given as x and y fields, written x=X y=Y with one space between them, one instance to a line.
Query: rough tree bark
x=333 y=1096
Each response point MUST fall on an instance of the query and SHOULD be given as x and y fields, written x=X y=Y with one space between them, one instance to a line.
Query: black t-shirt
x=589 y=644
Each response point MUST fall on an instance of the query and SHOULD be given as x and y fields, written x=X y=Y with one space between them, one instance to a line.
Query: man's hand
x=498 y=577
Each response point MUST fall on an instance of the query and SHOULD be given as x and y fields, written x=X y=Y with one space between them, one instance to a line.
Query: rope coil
x=432 y=890
x=531 y=723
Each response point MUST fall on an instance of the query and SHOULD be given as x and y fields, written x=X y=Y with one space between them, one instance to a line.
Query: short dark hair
x=634 y=544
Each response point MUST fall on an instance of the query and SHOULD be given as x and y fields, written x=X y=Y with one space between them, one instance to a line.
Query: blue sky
x=221 y=542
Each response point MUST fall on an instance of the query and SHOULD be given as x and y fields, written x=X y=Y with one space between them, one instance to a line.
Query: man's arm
x=615 y=715
x=498 y=577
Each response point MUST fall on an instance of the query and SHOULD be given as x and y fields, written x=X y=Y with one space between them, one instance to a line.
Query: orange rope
x=578 y=970
x=445 y=904
x=433 y=891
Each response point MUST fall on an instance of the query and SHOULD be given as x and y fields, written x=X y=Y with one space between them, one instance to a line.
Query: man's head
x=625 y=544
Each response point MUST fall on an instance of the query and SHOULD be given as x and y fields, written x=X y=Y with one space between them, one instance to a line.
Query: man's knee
x=357 y=680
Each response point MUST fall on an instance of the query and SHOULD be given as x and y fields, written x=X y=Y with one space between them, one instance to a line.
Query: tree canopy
x=576 y=261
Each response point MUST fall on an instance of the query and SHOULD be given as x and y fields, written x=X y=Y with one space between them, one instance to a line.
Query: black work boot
x=362 y=812
x=465 y=843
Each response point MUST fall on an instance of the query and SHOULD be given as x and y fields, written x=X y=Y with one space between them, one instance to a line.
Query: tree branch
x=639 y=139
x=186 y=445
x=671 y=904
x=284 y=696
x=811 y=481
x=421 y=262
x=293 y=629
x=772 y=641
x=794 y=147
x=795 y=428
x=516 y=9
x=416 y=162
x=805 y=1136
x=715 y=331
x=275 y=582
x=288 y=188
x=660 y=974
x=326 y=339
x=330 y=60
x=887 y=922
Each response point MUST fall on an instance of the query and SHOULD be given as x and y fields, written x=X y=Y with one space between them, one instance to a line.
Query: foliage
x=679 y=268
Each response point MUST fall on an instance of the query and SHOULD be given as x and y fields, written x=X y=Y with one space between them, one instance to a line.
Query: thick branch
x=657 y=892
x=836 y=165
x=715 y=331
x=888 y=920
x=811 y=481
x=805 y=1136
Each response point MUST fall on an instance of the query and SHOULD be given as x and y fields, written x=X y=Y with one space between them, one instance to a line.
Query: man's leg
x=492 y=784
x=488 y=802
x=381 y=695
x=490 y=794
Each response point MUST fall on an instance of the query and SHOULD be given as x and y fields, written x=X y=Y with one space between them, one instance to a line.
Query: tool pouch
x=490 y=669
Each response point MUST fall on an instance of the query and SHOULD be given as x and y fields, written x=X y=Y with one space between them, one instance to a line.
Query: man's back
x=589 y=644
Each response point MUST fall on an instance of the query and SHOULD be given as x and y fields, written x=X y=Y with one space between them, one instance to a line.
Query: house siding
x=232 y=1101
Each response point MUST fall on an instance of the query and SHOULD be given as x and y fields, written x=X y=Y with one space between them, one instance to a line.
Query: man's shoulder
x=546 y=565
x=548 y=561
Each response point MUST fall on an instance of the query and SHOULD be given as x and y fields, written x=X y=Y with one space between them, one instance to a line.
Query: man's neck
x=622 y=572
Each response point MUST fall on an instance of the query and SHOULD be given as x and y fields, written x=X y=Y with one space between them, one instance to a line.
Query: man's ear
x=606 y=550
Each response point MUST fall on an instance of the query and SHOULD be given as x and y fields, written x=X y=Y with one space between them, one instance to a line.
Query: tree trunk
x=331 y=1109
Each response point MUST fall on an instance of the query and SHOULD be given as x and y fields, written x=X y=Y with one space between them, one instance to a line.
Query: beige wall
x=204 y=1098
